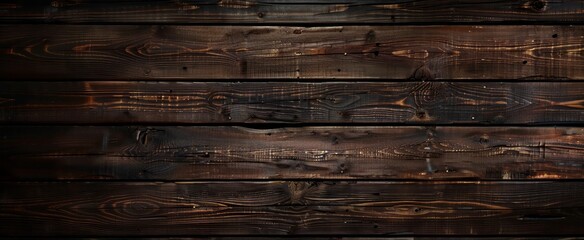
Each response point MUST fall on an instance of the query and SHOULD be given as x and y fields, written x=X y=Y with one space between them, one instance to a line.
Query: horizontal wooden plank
x=288 y=11
x=284 y=208
x=425 y=195
x=285 y=220
x=97 y=52
x=175 y=153
x=100 y=102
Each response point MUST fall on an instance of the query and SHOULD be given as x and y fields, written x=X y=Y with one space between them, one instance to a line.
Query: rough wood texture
x=467 y=195
x=289 y=11
x=280 y=208
x=286 y=220
x=172 y=153
x=99 y=102
x=392 y=147
x=453 y=195
x=93 y=52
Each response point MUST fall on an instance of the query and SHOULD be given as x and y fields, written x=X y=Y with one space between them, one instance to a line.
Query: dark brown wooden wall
x=276 y=119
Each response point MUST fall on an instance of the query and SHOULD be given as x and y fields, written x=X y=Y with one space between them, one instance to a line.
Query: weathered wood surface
x=281 y=208
x=70 y=52
x=289 y=11
x=287 y=220
x=183 y=153
x=423 y=195
x=123 y=102
x=434 y=65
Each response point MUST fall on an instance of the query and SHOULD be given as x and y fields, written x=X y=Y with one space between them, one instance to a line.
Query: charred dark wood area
x=287 y=119
x=163 y=52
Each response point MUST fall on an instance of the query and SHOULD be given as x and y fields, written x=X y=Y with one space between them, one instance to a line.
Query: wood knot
x=137 y=208
x=297 y=190
x=428 y=94
x=484 y=139
x=261 y=15
x=538 y=5
x=422 y=73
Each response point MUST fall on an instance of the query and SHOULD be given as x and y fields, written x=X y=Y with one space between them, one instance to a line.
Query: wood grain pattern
x=171 y=153
x=282 y=208
x=285 y=220
x=123 y=102
x=289 y=11
x=94 y=52
x=426 y=195
x=344 y=119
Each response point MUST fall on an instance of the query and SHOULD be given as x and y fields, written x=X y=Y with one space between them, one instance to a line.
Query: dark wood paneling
x=286 y=220
x=418 y=62
x=100 y=102
x=424 y=195
x=313 y=152
x=70 y=52
x=279 y=208
x=289 y=11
